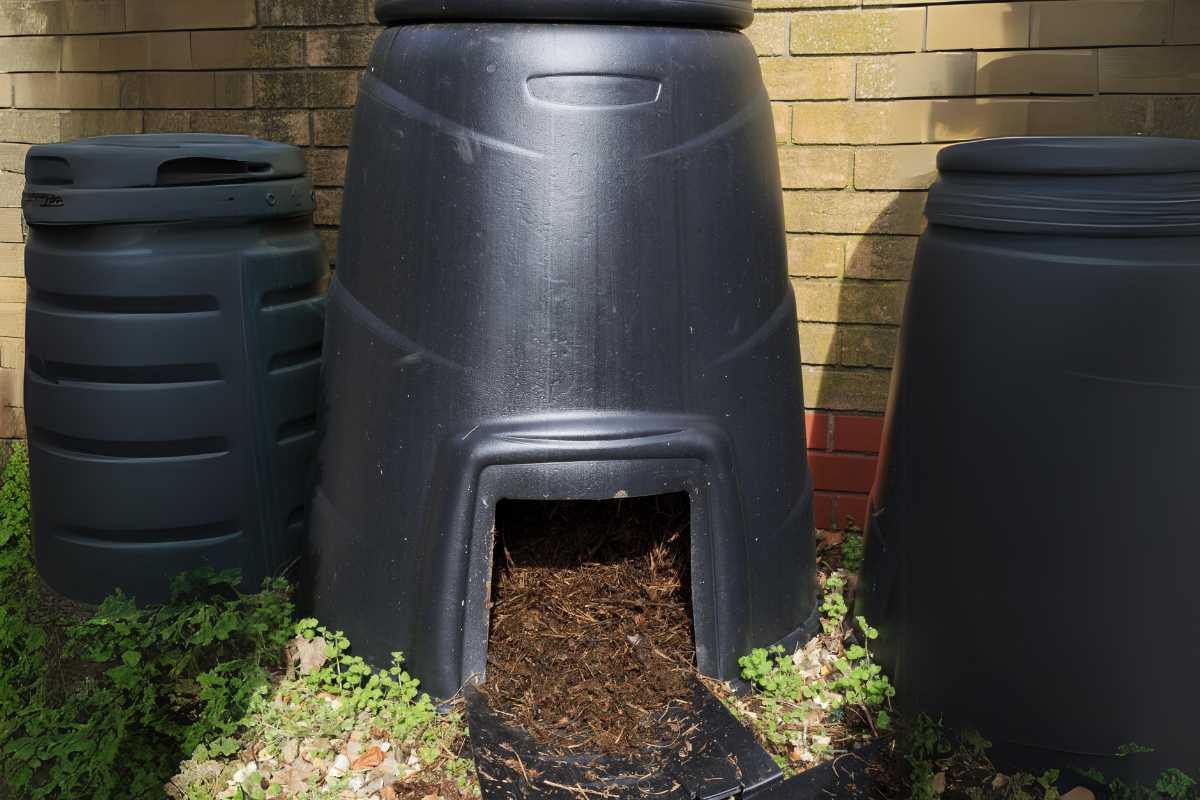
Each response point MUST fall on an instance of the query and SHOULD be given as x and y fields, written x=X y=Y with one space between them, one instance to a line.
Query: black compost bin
x=174 y=332
x=1033 y=544
x=562 y=274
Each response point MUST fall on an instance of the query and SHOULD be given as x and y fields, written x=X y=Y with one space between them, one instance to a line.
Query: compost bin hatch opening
x=591 y=636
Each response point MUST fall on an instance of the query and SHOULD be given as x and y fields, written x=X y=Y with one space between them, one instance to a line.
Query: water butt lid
x=1075 y=186
x=168 y=159
x=704 y=13
x=1073 y=155
x=163 y=177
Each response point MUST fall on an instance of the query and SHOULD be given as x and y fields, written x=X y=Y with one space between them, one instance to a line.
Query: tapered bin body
x=173 y=341
x=1032 y=542
x=562 y=274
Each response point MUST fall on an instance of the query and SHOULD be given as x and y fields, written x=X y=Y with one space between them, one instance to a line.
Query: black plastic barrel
x=562 y=275
x=1033 y=541
x=173 y=338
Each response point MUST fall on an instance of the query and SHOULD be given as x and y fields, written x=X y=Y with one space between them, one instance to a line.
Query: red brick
x=837 y=472
x=854 y=434
x=823 y=511
x=850 y=509
x=817 y=428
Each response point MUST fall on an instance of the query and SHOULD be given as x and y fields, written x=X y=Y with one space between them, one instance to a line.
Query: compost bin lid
x=707 y=13
x=166 y=159
x=1073 y=155
x=1073 y=186
x=163 y=177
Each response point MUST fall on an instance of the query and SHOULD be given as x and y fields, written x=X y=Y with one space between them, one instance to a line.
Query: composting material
x=591 y=639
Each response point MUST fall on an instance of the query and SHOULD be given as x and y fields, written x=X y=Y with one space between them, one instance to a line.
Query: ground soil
x=591 y=627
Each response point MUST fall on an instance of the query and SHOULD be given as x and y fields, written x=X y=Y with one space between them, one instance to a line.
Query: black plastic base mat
x=718 y=758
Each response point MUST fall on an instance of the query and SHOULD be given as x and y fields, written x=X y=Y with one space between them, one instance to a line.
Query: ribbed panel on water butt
x=174 y=330
x=562 y=275
x=1032 y=542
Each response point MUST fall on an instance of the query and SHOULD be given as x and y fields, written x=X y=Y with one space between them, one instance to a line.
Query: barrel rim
x=137 y=161
x=705 y=13
x=1073 y=155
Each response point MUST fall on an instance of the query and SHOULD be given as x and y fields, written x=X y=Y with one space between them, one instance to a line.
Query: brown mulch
x=591 y=625
x=423 y=790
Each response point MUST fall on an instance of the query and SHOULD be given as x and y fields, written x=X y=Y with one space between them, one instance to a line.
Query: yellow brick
x=978 y=26
x=1185 y=28
x=30 y=17
x=312 y=12
x=11 y=186
x=12 y=290
x=815 y=256
x=958 y=120
x=6 y=91
x=880 y=257
x=1036 y=72
x=233 y=90
x=135 y=51
x=94 y=16
x=1150 y=70
x=12 y=156
x=168 y=90
x=12 y=319
x=12 y=262
x=861 y=123
x=339 y=48
x=854 y=212
x=31 y=54
x=815 y=167
x=916 y=75
x=1123 y=115
x=1064 y=117
x=817 y=301
x=78 y=124
x=164 y=15
x=882 y=31
x=67 y=90
x=290 y=127
x=166 y=122
x=872 y=302
x=1177 y=116
x=900 y=167
x=769 y=33
x=245 y=49
x=867 y=345
x=42 y=17
x=781 y=113
x=846 y=389
x=329 y=243
x=807 y=78
x=329 y=207
x=818 y=343
x=327 y=166
x=12 y=387
x=12 y=351
x=10 y=225
x=1084 y=23
x=30 y=127
x=12 y=423
x=332 y=128
x=768 y=4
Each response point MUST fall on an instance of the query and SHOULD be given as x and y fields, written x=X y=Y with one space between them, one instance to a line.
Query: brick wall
x=864 y=93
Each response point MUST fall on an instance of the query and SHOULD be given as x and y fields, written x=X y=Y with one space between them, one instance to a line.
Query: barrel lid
x=158 y=160
x=1073 y=186
x=1073 y=155
x=705 y=13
